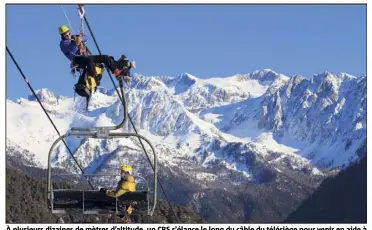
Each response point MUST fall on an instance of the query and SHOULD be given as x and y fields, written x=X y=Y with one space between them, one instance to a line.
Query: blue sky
x=204 y=40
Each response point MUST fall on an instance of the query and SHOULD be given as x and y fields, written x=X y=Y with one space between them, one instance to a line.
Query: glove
x=103 y=190
x=78 y=40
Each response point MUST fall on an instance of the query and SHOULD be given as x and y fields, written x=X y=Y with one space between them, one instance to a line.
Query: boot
x=118 y=73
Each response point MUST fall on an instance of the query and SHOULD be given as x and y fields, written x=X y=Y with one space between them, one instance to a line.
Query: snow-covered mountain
x=322 y=118
x=211 y=135
x=198 y=93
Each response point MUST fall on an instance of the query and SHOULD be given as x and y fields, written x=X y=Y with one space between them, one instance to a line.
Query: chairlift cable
x=32 y=90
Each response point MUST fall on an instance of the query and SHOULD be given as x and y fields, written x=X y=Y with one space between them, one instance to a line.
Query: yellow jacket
x=126 y=184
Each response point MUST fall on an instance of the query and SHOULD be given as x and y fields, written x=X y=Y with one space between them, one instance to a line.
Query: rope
x=130 y=119
x=32 y=90
x=68 y=20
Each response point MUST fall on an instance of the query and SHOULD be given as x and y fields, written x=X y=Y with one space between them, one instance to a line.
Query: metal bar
x=83 y=202
x=49 y=189
x=95 y=175
x=59 y=212
x=116 y=205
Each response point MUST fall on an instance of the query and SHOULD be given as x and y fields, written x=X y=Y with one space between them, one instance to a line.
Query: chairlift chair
x=62 y=201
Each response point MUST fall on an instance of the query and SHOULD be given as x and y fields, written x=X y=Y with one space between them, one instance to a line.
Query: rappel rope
x=68 y=20
x=130 y=119
x=50 y=119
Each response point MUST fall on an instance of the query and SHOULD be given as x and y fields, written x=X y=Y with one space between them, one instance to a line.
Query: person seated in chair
x=126 y=183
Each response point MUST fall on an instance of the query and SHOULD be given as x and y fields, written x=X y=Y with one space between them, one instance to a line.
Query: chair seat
x=96 y=202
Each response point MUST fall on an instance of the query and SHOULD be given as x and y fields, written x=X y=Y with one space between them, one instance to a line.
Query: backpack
x=86 y=88
x=88 y=84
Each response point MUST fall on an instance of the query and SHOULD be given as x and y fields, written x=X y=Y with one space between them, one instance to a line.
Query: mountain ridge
x=207 y=131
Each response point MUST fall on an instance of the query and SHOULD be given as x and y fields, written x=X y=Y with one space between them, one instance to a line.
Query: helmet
x=126 y=168
x=63 y=29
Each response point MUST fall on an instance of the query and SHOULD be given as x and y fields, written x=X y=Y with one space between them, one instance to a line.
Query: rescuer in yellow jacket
x=126 y=183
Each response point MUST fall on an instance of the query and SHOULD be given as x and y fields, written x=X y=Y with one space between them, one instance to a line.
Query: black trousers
x=90 y=62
